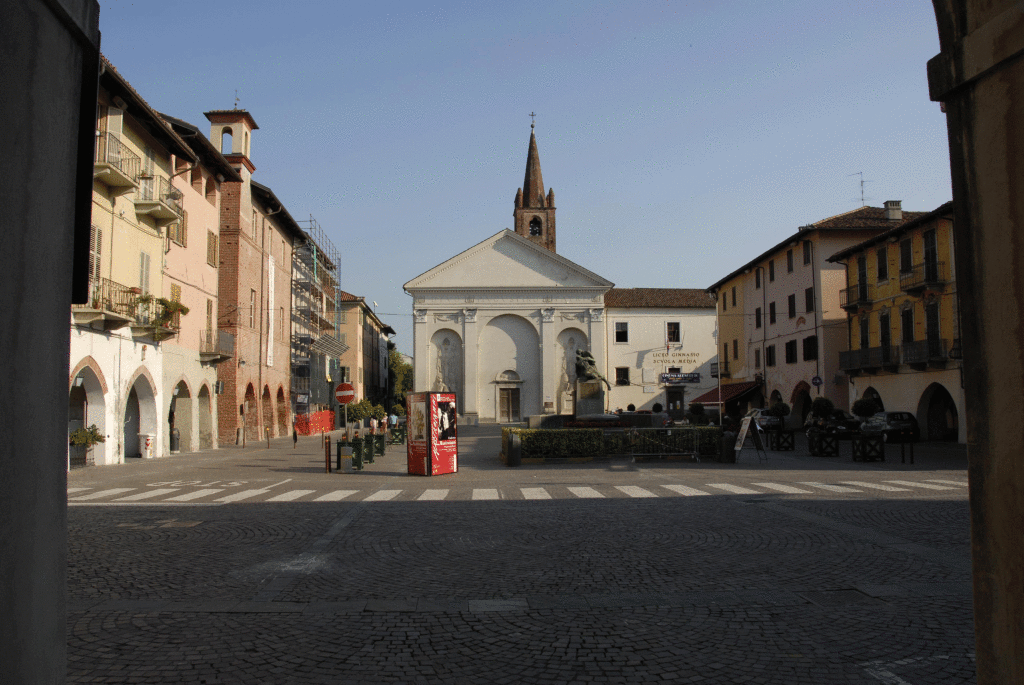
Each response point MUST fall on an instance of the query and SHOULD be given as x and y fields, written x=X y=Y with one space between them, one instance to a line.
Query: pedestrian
x=295 y=435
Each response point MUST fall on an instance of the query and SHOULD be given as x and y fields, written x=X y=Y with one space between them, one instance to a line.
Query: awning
x=730 y=392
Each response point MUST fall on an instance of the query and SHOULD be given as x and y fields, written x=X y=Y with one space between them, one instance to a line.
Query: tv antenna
x=863 y=200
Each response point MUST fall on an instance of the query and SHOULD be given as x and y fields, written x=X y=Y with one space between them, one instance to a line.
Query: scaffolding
x=316 y=345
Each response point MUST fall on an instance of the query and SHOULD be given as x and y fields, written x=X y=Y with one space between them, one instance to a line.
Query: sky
x=682 y=139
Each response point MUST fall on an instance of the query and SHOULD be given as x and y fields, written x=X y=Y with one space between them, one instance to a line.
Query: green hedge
x=594 y=442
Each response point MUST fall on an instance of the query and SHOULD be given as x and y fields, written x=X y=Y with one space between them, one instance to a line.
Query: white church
x=499 y=324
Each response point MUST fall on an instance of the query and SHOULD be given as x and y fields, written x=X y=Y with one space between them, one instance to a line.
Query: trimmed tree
x=865 y=407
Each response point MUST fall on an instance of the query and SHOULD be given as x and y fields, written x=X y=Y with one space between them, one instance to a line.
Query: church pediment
x=507 y=260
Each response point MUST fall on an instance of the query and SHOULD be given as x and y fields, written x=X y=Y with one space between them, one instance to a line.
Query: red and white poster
x=432 y=443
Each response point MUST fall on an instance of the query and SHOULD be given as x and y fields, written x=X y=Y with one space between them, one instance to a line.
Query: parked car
x=894 y=426
x=841 y=424
x=765 y=420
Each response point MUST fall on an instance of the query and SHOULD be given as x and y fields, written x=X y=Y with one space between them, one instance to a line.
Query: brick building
x=257 y=238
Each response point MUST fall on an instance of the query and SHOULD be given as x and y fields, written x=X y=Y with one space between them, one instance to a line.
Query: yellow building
x=903 y=323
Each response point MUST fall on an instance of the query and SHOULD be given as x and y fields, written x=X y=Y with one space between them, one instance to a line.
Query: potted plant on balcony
x=169 y=309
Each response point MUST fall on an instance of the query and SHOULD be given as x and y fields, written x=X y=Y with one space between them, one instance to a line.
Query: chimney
x=893 y=210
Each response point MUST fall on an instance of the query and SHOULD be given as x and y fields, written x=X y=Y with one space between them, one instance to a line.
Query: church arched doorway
x=510 y=343
x=509 y=401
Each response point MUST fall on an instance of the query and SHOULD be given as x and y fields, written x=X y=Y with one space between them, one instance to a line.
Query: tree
x=865 y=407
x=822 y=407
x=400 y=378
x=780 y=409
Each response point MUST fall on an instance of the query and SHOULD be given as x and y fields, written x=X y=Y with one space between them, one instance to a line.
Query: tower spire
x=534 y=213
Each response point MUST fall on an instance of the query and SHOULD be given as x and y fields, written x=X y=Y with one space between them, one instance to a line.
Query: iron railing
x=159 y=189
x=924 y=351
x=216 y=342
x=107 y=295
x=856 y=295
x=110 y=150
x=924 y=275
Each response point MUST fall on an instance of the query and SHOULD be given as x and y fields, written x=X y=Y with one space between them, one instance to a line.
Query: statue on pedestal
x=586 y=368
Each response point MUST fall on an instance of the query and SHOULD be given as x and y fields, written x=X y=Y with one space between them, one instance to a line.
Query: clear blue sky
x=681 y=138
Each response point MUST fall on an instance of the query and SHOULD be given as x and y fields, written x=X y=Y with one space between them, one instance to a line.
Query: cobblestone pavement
x=795 y=570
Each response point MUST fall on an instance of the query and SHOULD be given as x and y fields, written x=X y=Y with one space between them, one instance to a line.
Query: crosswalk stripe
x=432 y=495
x=683 y=490
x=244 y=494
x=70 y=490
x=535 y=493
x=733 y=488
x=335 y=496
x=146 y=495
x=830 y=488
x=485 y=493
x=927 y=486
x=290 y=495
x=585 y=492
x=875 y=486
x=634 y=491
x=189 y=496
x=101 y=493
x=948 y=482
x=783 y=488
x=382 y=495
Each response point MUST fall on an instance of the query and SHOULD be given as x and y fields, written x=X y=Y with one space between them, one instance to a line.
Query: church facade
x=499 y=324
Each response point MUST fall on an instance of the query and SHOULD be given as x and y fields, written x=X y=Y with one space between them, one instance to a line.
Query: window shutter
x=144 y=273
x=95 y=252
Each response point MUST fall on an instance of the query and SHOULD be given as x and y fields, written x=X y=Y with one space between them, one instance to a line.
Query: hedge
x=595 y=442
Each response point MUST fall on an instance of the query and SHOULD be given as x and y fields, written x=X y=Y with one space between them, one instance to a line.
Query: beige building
x=781 y=327
x=119 y=335
x=364 y=362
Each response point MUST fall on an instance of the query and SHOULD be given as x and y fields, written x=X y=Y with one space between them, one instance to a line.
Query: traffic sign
x=345 y=393
x=817 y=382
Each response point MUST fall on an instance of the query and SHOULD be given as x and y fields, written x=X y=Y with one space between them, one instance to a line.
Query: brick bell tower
x=534 y=213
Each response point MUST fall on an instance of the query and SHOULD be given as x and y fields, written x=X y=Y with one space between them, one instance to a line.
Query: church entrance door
x=508 y=405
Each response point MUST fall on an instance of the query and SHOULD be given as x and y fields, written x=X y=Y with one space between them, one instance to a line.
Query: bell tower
x=534 y=213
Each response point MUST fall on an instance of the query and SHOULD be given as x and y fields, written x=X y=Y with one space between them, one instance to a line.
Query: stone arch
x=251 y=410
x=282 y=412
x=141 y=417
x=180 y=416
x=267 y=413
x=91 y=364
x=204 y=414
x=937 y=414
x=536 y=227
x=776 y=396
x=510 y=343
x=800 y=401
x=447 y=363
x=87 y=405
x=871 y=394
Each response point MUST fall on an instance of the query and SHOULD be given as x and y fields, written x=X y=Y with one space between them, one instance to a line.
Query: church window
x=622 y=375
x=535 y=226
x=622 y=331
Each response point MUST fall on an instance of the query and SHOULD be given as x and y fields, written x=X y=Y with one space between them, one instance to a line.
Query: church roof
x=627 y=298
x=533 y=183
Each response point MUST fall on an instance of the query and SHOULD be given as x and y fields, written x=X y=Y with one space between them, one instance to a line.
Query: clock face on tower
x=535 y=226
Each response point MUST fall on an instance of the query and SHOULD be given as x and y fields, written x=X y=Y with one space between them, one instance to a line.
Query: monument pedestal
x=589 y=398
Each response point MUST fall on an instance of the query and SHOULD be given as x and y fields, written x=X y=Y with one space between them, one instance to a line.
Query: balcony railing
x=216 y=345
x=115 y=164
x=159 y=199
x=856 y=296
x=853 y=360
x=926 y=351
x=719 y=369
x=152 y=320
x=924 y=275
x=110 y=304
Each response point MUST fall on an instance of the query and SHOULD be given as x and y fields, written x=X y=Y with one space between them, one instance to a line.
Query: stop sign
x=345 y=393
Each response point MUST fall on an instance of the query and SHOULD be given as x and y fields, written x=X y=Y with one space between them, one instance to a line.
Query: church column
x=470 y=369
x=422 y=364
x=596 y=331
x=548 y=372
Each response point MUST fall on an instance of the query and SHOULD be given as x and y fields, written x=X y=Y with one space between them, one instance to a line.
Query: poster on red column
x=432 y=443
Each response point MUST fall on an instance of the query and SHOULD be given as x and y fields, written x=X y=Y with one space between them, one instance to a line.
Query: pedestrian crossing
x=175 y=495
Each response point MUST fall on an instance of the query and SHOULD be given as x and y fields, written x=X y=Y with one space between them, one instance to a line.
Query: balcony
x=927 y=275
x=856 y=296
x=115 y=165
x=216 y=346
x=158 y=199
x=111 y=305
x=922 y=353
x=720 y=369
x=870 y=360
x=152 y=320
x=853 y=361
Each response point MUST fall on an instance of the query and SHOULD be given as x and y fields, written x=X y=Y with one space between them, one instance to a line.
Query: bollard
x=267 y=431
x=327 y=454
x=357 y=454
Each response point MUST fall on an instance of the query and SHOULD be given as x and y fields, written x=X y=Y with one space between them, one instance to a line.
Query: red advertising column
x=432 y=442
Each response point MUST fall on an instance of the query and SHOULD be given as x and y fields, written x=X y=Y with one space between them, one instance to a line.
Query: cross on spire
x=532 y=122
